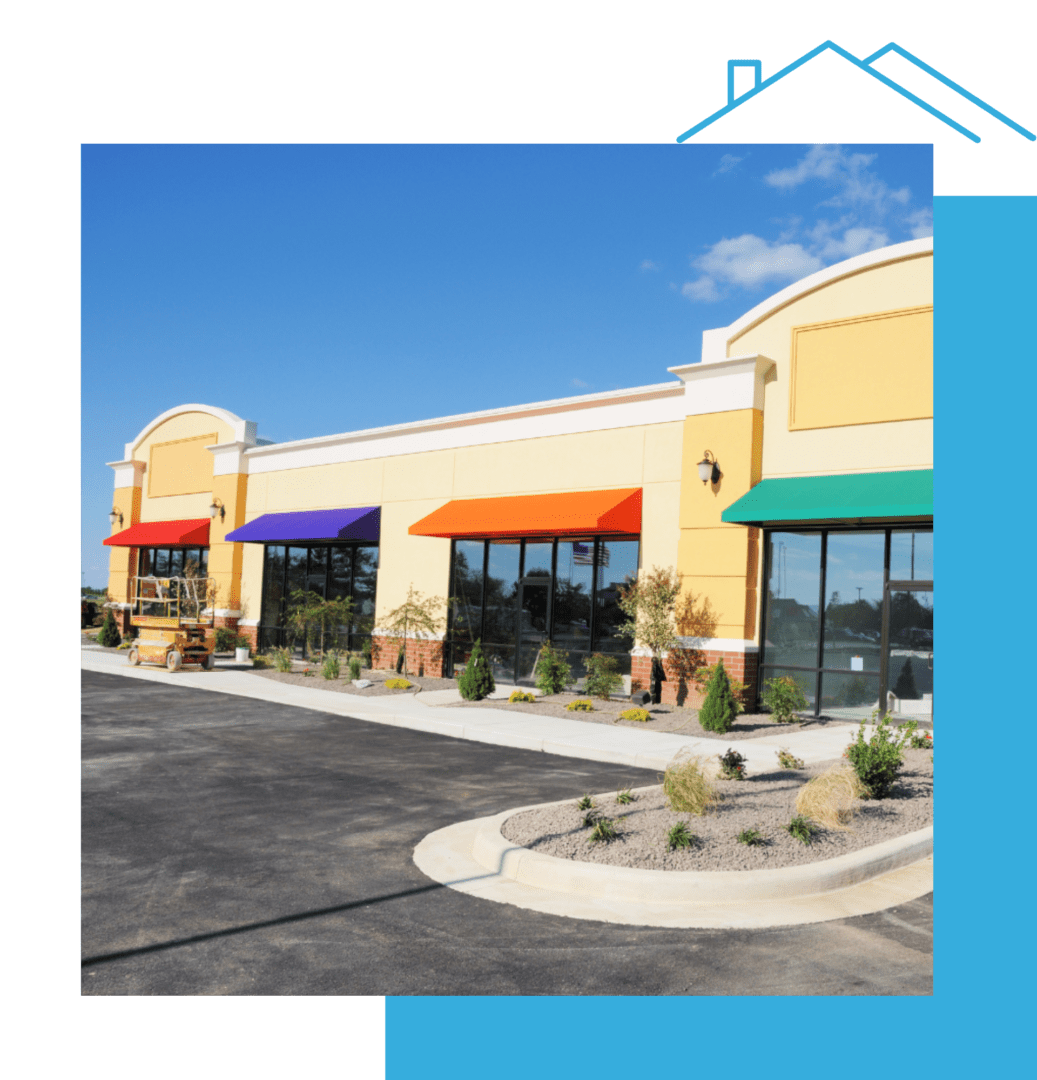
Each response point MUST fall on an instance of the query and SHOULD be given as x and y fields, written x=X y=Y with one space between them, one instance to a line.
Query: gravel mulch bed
x=344 y=686
x=764 y=801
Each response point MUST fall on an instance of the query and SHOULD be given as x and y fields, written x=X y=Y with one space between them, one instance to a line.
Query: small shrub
x=603 y=677
x=783 y=697
x=732 y=765
x=687 y=787
x=331 y=668
x=625 y=797
x=225 y=639
x=830 y=798
x=518 y=695
x=243 y=642
x=398 y=684
x=354 y=667
x=680 y=836
x=915 y=739
x=789 y=760
x=586 y=803
x=752 y=837
x=719 y=710
x=109 y=636
x=877 y=760
x=703 y=675
x=306 y=671
x=553 y=673
x=580 y=705
x=603 y=831
x=126 y=643
x=282 y=659
x=590 y=818
x=477 y=680
x=642 y=716
x=801 y=828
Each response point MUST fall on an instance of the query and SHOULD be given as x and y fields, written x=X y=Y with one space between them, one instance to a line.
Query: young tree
x=311 y=615
x=649 y=605
x=476 y=680
x=418 y=616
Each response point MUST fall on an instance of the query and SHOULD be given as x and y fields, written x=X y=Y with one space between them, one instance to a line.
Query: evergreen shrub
x=719 y=710
x=226 y=639
x=109 y=636
x=477 y=680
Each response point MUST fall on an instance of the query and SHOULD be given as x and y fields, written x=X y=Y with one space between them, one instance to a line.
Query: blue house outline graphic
x=761 y=84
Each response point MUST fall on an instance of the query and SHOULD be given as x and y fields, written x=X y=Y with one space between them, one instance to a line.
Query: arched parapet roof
x=715 y=342
x=244 y=430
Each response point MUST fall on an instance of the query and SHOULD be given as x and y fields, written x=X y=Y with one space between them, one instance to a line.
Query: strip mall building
x=811 y=539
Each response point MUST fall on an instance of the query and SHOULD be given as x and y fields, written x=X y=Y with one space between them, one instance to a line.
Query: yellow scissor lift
x=171 y=615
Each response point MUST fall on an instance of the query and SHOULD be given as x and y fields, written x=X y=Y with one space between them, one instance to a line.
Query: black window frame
x=825 y=530
x=452 y=646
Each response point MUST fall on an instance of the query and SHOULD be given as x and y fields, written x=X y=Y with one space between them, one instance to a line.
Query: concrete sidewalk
x=551 y=735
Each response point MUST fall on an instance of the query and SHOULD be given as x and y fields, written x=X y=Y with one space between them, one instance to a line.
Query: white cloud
x=920 y=222
x=855 y=239
x=727 y=163
x=703 y=291
x=580 y=384
x=647 y=264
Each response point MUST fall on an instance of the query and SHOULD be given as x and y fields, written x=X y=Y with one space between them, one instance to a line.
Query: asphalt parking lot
x=234 y=846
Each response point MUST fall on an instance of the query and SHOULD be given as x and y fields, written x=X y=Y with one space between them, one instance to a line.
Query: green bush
x=877 y=760
x=331 y=669
x=719 y=710
x=625 y=796
x=603 y=677
x=354 y=667
x=680 y=836
x=580 y=705
x=109 y=636
x=585 y=803
x=783 y=697
x=752 y=837
x=519 y=695
x=604 y=830
x=732 y=765
x=477 y=680
x=553 y=673
x=242 y=641
x=226 y=639
x=801 y=828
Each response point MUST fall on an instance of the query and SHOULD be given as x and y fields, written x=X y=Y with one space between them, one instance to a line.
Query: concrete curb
x=473 y=857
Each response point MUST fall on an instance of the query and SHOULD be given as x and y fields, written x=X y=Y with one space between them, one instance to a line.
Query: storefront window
x=853 y=609
x=535 y=590
x=332 y=571
x=793 y=592
x=911 y=556
x=175 y=562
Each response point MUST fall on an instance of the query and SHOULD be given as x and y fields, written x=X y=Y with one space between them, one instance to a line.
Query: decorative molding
x=248 y=622
x=128 y=473
x=244 y=430
x=229 y=458
x=379 y=632
x=227 y=613
x=735 y=383
x=728 y=645
x=715 y=342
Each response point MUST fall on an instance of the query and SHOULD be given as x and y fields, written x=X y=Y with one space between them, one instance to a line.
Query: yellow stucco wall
x=719 y=560
x=121 y=559
x=860 y=447
x=411 y=486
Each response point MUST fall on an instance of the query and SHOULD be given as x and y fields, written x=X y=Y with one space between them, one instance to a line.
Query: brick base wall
x=678 y=688
x=423 y=656
x=252 y=633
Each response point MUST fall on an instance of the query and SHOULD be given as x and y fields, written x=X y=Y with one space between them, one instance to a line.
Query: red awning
x=191 y=533
x=565 y=513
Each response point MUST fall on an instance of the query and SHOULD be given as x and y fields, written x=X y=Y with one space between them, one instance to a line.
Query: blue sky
x=319 y=289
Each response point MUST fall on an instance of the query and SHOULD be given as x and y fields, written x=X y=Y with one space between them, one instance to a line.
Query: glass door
x=908 y=653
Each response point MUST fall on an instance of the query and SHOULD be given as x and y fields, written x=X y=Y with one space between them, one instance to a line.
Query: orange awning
x=193 y=532
x=565 y=513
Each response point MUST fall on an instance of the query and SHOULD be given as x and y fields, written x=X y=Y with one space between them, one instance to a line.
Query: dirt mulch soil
x=764 y=801
x=344 y=686
x=671 y=718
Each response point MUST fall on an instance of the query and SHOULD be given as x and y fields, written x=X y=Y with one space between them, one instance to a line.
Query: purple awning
x=358 y=523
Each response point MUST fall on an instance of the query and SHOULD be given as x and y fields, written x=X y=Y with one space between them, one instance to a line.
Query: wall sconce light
x=216 y=507
x=115 y=515
x=709 y=468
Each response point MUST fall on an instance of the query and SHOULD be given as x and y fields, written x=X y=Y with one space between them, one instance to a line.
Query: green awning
x=849 y=497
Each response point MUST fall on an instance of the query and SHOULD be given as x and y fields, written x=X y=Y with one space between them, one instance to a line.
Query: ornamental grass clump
x=642 y=716
x=720 y=708
x=830 y=798
x=354 y=667
x=751 y=837
x=585 y=803
x=801 y=829
x=603 y=831
x=680 y=836
x=580 y=705
x=331 y=668
x=878 y=760
x=476 y=681
x=625 y=796
x=282 y=659
x=688 y=788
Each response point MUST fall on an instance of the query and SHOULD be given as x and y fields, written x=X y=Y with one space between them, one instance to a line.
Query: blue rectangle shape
x=357 y=523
